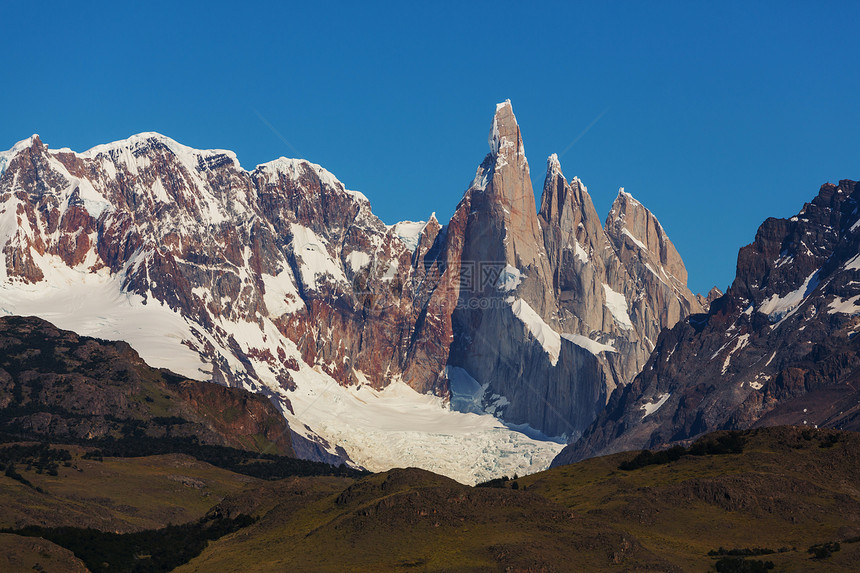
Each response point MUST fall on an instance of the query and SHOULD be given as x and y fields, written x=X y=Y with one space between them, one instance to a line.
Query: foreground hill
x=58 y=386
x=787 y=490
x=785 y=495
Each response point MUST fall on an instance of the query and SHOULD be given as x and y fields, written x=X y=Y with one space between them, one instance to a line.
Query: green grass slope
x=116 y=494
x=31 y=554
x=789 y=489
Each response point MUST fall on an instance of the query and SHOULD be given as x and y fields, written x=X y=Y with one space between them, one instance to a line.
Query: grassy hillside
x=116 y=494
x=68 y=494
x=410 y=519
x=28 y=554
x=789 y=489
x=782 y=497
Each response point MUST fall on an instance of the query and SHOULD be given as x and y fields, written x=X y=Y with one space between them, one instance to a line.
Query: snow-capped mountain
x=778 y=348
x=282 y=281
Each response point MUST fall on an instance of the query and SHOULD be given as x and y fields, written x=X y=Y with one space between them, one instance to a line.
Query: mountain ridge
x=778 y=347
x=282 y=281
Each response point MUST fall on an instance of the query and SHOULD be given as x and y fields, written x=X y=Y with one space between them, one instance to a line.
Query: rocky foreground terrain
x=56 y=385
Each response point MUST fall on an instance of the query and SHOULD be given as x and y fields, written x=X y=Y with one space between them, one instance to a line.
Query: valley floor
x=782 y=495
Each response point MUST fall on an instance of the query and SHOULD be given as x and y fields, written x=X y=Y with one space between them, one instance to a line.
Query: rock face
x=705 y=301
x=656 y=267
x=777 y=348
x=278 y=274
x=550 y=315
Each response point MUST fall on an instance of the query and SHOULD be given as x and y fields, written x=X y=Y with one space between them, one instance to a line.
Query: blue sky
x=715 y=117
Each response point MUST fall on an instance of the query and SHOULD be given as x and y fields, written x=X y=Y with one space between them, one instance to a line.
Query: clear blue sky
x=714 y=116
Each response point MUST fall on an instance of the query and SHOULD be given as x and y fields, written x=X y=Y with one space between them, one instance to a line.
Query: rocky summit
x=778 y=348
x=282 y=281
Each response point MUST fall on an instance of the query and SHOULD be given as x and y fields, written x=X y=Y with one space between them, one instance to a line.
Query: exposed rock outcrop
x=778 y=348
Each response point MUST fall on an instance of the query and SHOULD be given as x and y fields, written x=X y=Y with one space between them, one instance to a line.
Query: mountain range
x=281 y=281
x=218 y=356
x=475 y=348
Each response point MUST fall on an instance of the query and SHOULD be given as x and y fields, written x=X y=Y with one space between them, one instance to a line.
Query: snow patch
x=357 y=195
x=315 y=261
x=357 y=260
x=628 y=196
x=755 y=384
x=7 y=156
x=92 y=304
x=769 y=360
x=653 y=272
x=295 y=168
x=409 y=233
x=282 y=295
x=79 y=190
x=847 y=306
x=580 y=253
x=778 y=308
x=671 y=352
x=652 y=407
x=548 y=338
x=742 y=341
x=509 y=279
x=188 y=156
x=159 y=193
x=391 y=270
x=591 y=345
x=617 y=305
x=636 y=241
x=854 y=263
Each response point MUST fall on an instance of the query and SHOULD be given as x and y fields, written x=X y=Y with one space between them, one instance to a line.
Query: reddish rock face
x=283 y=264
x=778 y=348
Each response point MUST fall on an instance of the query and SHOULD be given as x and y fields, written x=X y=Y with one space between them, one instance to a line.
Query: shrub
x=824 y=550
x=741 y=565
